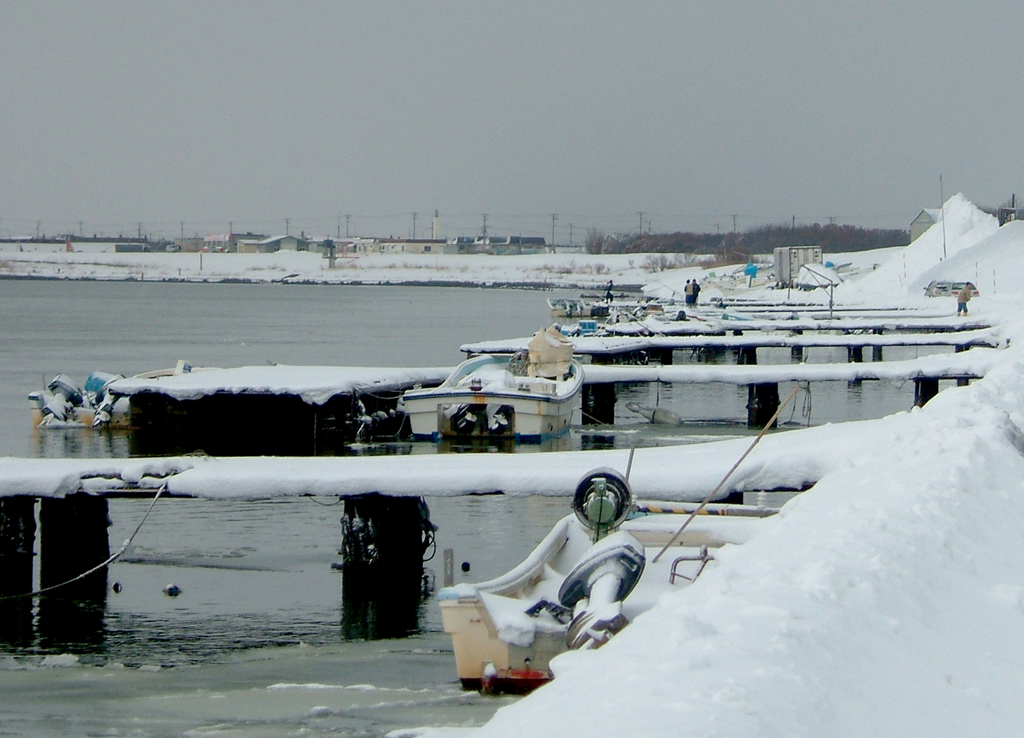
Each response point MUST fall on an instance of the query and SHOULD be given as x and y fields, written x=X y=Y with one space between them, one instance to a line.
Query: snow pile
x=965 y=226
x=888 y=600
x=994 y=264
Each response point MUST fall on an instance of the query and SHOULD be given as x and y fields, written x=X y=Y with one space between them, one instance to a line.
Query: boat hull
x=501 y=635
x=483 y=398
x=531 y=419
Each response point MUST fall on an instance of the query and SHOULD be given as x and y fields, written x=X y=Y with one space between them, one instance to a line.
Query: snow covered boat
x=63 y=404
x=589 y=577
x=567 y=307
x=528 y=396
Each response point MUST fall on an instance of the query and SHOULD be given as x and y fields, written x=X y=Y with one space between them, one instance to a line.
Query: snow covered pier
x=622 y=359
x=855 y=336
x=268 y=409
x=763 y=380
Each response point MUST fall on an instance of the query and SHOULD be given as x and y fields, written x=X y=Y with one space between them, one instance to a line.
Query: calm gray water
x=260 y=603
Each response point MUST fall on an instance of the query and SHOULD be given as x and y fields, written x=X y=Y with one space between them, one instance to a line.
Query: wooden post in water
x=383 y=542
x=17 y=538
x=925 y=388
x=599 y=404
x=73 y=540
x=762 y=402
x=876 y=353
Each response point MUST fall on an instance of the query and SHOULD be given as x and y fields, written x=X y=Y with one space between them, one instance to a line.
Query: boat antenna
x=629 y=464
x=728 y=474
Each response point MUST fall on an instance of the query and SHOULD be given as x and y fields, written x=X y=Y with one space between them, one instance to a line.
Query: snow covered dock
x=749 y=335
x=283 y=410
x=314 y=385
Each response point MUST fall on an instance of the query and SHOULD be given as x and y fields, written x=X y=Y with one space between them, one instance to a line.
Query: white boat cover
x=550 y=353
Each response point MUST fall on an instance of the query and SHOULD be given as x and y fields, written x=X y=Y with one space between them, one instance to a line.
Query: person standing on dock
x=696 y=292
x=608 y=291
x=688 y=293
x=963 y=297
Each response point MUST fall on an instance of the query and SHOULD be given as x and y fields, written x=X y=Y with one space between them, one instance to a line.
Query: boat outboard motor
x=596 y=587
x=604 y=577
x=65 y=397
x=97 y=384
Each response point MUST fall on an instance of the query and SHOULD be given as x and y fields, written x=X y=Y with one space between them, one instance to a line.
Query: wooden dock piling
x=384 y=539
x=73 y=540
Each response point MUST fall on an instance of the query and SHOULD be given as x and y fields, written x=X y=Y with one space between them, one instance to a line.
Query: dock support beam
x=666 y=357
x=17 y=538
x=747 y=356
x=599 y=404
x=762 y=402
x=925 y=388
x=796 y=354
x=855 y=354
x=73 y=539
x=383 y=542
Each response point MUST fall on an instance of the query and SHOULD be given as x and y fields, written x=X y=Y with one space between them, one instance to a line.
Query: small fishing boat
x=591 y=575
x=63 y=404
x=529 y=396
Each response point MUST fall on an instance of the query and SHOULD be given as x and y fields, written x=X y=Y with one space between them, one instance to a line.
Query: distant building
x=398 y=246
x=1010 y=211
x=924 y=220
x=496 y=245
x=274 y=243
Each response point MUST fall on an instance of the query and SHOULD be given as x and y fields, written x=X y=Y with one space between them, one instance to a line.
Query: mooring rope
x=117 y=554
x=728 y=474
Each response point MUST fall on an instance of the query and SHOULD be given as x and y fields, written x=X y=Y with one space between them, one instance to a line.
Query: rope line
x=728 y=474
x=116 y=555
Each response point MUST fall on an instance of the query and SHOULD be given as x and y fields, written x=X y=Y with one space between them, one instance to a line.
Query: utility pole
x=942 y=216
x=140 y=231
x=347 y=219
x=414 y=226
x=339 y=226
x=734 y=223
x=570 y=236
x=483 y=231
x=554 y=219
x=641 y=231
x=182 y=224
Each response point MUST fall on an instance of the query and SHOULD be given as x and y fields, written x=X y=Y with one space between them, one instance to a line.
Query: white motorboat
x=528 y=396
x=63 y=404
x=572 y=592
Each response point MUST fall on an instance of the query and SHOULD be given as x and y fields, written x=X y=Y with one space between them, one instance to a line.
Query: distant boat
x=63 y=404
x=528 y=396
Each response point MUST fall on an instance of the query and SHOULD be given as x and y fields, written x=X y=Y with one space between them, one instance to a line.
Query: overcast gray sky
x=248 y=113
